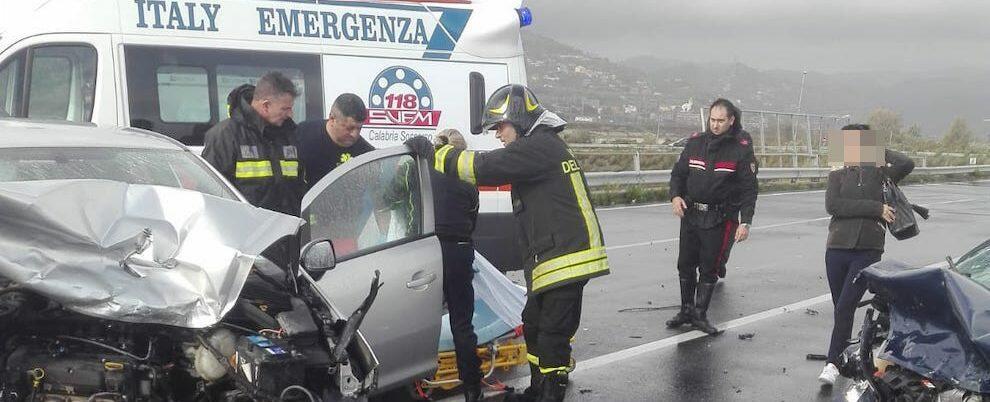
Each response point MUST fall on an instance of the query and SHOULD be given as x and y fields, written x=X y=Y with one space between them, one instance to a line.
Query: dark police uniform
x=456 y=212
x=716 y=177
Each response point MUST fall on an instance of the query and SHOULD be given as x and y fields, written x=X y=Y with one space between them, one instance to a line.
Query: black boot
x=704 y=296
x=554 y=387
x=472 y=393
x=686 y=316
x=532 y=393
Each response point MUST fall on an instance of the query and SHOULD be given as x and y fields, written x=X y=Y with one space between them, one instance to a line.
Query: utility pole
x=804 y=74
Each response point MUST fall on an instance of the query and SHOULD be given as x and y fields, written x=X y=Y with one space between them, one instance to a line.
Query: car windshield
x=171 y=168
x=976 y=264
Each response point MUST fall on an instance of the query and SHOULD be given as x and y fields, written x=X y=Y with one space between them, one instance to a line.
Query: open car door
x=377 y=209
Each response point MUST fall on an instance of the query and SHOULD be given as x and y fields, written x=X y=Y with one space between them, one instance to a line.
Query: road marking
x=774 y=226
x=635 y=351
x=787 y=193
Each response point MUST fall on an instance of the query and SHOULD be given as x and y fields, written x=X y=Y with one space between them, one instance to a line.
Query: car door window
x=373 y=206
x=62 y=83
x=183 y=94
x=10 y=88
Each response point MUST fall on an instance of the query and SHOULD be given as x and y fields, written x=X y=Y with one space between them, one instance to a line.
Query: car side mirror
x=477 y=101
x=318 y=256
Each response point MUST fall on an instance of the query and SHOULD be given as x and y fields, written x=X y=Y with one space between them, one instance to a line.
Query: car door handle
x=417 y=283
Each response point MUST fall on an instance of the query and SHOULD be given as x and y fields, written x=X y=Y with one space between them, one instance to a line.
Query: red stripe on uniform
x=725 y=165
x=729 y=228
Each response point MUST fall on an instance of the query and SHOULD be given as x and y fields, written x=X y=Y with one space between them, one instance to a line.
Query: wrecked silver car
x=131 y=271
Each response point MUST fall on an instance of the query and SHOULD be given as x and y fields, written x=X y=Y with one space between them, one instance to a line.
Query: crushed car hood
x=133 y=253
x=939 y=323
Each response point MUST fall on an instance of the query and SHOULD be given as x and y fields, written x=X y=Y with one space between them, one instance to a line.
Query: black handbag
x=904 y=226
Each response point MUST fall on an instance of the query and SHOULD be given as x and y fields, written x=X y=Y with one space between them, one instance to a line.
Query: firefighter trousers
x=550 y=320
x=703 y=252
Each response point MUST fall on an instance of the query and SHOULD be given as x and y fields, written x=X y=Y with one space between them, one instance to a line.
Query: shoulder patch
x=695 y=134
x=744 y=142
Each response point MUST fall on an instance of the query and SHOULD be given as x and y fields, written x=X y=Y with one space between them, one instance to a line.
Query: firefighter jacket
x=259 y=159
x=718 y=170
x=560 y=234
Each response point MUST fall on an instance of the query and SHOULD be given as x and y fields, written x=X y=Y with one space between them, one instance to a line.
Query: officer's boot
x=554 y=387
x=686 y=315
x=532 y=393
x=703 y=298
x=472 y=392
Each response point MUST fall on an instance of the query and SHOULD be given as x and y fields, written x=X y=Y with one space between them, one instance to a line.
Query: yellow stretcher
x=503 y=353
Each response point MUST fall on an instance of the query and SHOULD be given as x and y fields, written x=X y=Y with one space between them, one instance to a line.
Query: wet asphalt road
x=625 y=353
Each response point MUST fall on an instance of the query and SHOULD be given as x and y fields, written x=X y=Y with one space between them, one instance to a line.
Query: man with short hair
x=713 y=190
x=254 y=149
x=326 y=144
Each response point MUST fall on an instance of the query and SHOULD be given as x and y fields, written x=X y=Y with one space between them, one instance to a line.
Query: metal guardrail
x=653 y=177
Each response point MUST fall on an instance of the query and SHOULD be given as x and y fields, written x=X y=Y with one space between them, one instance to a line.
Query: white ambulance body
x=168 y=66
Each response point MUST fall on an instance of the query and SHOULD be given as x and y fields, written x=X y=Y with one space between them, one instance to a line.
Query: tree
x=959 y=137
x=888 y=124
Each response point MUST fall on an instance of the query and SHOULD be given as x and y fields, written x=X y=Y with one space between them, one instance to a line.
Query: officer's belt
x=707 y=207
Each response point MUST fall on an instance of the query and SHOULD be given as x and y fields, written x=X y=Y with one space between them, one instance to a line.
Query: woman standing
x=854 y=198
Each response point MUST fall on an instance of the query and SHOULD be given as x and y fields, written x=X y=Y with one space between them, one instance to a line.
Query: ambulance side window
x=11 y=73
x=62 y=82
x=182 y=92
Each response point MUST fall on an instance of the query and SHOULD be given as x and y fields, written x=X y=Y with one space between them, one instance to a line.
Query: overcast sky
x=818 y=35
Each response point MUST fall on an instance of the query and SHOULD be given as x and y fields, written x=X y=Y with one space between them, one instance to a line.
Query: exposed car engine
x=274 y=348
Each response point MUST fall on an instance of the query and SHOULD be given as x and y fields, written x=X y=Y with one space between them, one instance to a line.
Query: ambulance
x=167 y=66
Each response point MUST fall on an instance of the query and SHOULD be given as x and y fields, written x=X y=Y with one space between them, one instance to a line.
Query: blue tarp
x=939 y=323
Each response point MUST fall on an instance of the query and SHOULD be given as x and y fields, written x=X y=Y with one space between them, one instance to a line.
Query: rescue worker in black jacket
x=456 y=213
x=254 y=149
x=559 y=228
x=713 y=190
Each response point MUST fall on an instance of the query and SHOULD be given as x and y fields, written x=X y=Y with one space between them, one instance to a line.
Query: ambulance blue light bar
x=525 y=16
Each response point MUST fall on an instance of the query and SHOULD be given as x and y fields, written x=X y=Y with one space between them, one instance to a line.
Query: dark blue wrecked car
x=926 y=335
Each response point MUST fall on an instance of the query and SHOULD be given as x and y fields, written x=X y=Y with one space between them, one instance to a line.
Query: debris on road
x=585 y=391
x=809 y=311
x=746 y=336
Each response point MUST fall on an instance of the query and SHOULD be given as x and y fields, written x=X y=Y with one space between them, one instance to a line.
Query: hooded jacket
x=560 y=234
x=718 y=170
x=854 y=198
x=258 y=158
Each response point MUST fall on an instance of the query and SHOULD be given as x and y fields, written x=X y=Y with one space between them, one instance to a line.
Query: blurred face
x=506 y=133
x=277 y=110
x=720 y=120
x=343 y=131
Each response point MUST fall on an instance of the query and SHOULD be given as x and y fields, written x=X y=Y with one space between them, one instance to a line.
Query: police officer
x=253 y=148
x=713 y=190
x=559 y=228
x=456 y=213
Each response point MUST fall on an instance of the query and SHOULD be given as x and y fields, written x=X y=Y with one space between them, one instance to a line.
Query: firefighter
x=713 y=190
x=560 y=234
x=254 y=148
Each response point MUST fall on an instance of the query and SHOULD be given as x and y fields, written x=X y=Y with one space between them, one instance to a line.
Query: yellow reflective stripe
x=568 y=260
x=290 y=168
x=503 y=108
x=533 y=359
x=554 y=369
x=465 y=167
x=578 y=271
x=587 y=211
x=440 y=157
x=252 y=169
